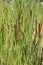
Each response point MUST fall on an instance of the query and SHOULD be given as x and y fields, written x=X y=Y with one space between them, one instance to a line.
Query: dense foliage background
x=20 y=32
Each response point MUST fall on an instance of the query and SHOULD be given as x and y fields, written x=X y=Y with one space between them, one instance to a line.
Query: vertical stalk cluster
x=23 y=31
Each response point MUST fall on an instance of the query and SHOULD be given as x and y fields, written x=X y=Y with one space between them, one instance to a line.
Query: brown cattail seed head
x=38 y=29
x=18 y=32
x=30 y=13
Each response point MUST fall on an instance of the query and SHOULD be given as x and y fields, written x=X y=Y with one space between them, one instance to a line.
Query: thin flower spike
x=18 y=32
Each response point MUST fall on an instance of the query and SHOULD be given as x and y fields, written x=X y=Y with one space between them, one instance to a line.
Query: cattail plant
x=30 y=13
x=18 y=32
x=19 y=25
x=38 y=30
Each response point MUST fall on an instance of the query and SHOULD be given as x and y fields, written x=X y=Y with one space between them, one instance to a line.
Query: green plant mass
x=21 y=30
